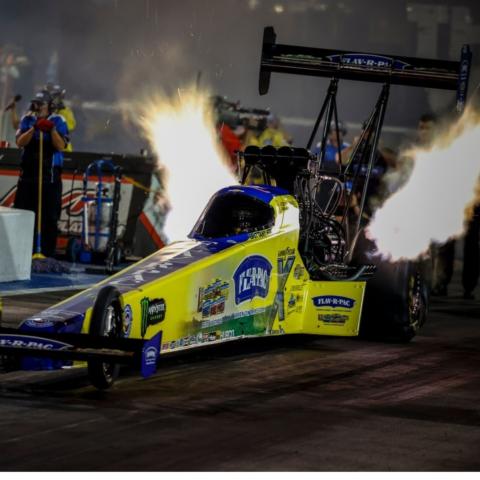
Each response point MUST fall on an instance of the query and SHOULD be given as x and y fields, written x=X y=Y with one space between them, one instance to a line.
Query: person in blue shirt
x=41 y=118
x=331 y=160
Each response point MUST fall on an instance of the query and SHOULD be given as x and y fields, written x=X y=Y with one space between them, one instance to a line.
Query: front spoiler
x=139 y=353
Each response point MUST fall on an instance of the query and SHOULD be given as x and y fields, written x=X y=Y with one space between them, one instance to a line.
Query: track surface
x=286 y=404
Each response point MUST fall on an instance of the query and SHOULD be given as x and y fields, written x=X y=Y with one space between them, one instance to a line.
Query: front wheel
x=106 y=321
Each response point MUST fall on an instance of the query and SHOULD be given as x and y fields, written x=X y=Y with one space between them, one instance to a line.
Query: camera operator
x=42 y=119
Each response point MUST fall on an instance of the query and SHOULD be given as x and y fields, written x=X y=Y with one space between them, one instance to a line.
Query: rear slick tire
x=106 y=321
x=396 y=302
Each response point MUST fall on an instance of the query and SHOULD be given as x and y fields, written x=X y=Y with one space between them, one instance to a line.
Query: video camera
x=234 y=115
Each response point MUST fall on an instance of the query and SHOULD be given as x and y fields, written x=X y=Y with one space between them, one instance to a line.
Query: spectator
x=385 y=160
x=331 y=159
x=246 y=133
x=230 y=142
x=274 y=134
x=39 y=119
x=58 y=101
x=12 y=107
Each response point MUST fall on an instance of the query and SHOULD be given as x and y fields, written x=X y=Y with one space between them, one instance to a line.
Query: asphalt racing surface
x=279 y=404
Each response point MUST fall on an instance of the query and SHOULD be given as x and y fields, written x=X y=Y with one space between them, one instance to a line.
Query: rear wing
x=368 y=67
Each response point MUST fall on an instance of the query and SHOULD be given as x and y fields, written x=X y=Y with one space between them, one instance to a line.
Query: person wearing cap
x=58 y=101
x=42 y=119
x=331 y=159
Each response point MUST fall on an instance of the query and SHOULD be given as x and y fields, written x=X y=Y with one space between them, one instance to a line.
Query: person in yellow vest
x=58 y=97
x=273 y=134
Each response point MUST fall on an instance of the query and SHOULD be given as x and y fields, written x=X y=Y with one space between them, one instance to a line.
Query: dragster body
x=224 y=283
x=289 y=256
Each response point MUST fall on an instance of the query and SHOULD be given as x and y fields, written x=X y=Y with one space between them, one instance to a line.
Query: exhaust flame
x=181 y=131
x=437 y=199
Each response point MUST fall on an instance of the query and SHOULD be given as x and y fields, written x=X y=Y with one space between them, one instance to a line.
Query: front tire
x=106 y=321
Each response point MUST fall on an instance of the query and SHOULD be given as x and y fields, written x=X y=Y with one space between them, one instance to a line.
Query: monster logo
x=153 y=312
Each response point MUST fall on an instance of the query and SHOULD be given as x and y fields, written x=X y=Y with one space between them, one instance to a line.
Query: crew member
x=384 y=160
x=12 y=107
x=274 y=134
x=58 y=102
x=331 y=159
x=55 y=138
x=230 y=142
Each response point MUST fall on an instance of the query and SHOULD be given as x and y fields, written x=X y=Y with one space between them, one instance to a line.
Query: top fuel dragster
x=286 y=257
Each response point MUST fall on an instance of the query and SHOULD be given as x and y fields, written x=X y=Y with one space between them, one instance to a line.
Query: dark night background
x=109 y=51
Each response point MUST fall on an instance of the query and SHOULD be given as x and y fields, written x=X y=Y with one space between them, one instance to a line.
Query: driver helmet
x=243 y=221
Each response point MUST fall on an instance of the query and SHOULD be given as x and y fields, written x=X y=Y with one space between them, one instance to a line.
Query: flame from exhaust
x=438 y=197
x=181 y=131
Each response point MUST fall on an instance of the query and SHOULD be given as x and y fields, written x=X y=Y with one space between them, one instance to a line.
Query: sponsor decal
x=163 y=262
x=252 y=278
x=298 y=272
x=74 y=200
x=333 y=319
x=152 y=311
x=37 y=343
x=201 y=337
x=38 y=322
x=212 y=336
x=260 y=234
x=287 y=252
x=228 y=334
x=127 y=321
x=333 y=301
x=284 y=268
x=367 y=60
x=292 y=301
x=151 y=354
x=212 y=298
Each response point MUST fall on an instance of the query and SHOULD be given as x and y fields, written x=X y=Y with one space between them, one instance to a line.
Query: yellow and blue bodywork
x=212 y=290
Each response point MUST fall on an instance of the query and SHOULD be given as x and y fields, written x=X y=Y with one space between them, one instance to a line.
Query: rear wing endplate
x=368 y=67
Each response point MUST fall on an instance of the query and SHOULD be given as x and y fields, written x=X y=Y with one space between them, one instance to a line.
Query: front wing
x=141 y=354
